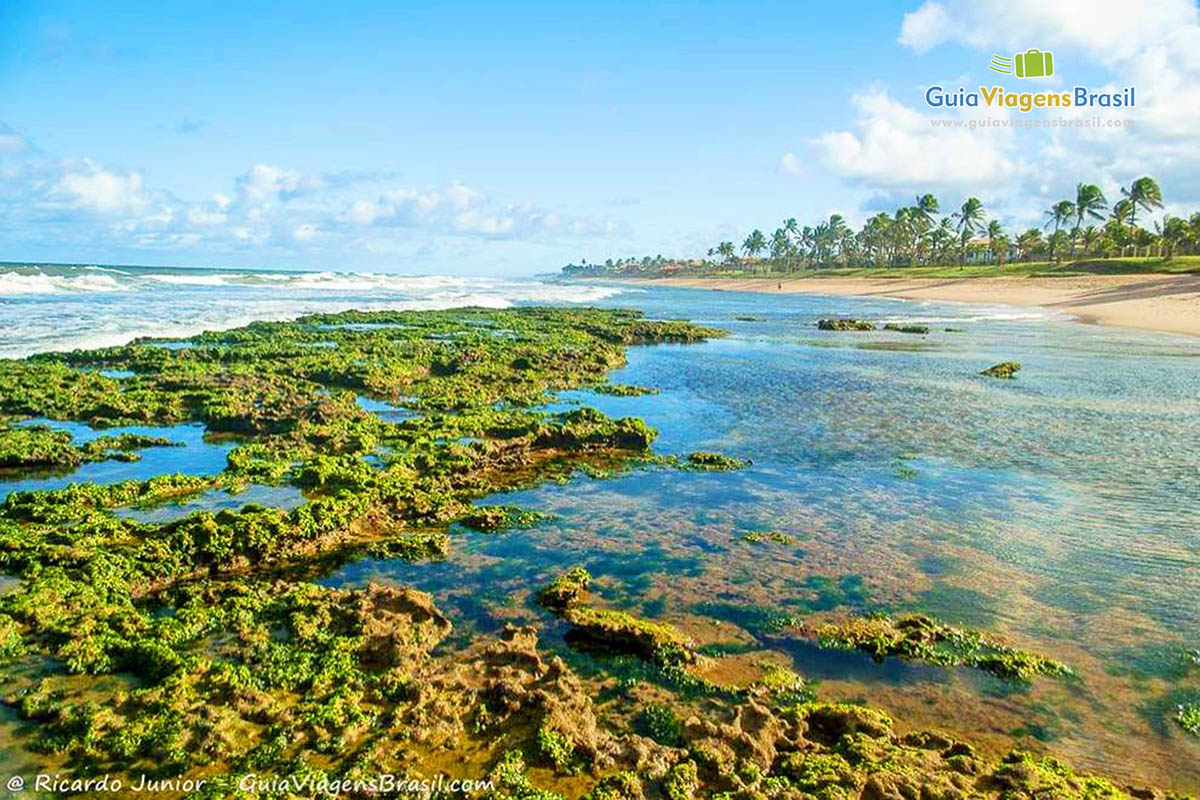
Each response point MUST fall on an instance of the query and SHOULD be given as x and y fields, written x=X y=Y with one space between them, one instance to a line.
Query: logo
x=1033 y=63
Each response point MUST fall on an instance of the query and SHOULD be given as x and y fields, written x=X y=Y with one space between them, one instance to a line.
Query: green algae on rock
x=906 y=328
x=566 y=590
x=623 y=390
x=778 y=537
x=196 y=647
x=655 y=641
x=713 y=462
x=845 y=324
x=42 y=446
x=920 y=638
x=1005 y=369
x=493 y=519
x=1188 y=717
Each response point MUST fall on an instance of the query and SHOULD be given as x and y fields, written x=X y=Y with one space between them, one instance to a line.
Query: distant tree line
x=1082 y=227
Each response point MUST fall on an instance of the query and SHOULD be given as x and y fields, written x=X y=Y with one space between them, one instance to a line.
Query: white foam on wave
x=21 y=283
x=179 y=305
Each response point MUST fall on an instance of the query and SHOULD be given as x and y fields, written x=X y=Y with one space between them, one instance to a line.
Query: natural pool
x=1059 y=509
x=215 y=500
x=197 y=456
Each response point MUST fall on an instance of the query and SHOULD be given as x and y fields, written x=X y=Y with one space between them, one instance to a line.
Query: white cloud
x=790 y=164
x=1153 y=45
x=95 y=189
x=895 y=146
x=267 y=207
x=265 y=183
x=926 y=27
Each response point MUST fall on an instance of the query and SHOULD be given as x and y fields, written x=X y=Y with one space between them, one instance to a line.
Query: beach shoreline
x=1156 y=302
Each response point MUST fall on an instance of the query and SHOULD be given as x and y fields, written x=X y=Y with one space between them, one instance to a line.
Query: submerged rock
x=920 y=638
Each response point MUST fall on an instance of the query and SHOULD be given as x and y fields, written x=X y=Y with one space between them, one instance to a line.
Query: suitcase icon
x=1034 y=63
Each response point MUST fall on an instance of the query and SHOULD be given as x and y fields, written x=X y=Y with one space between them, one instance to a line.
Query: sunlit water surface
x=1059 y=509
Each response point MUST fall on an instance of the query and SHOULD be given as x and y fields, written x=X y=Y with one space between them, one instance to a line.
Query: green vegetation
x=920 y=638
x=660 y=723
x=892 y=326
x=1005 y=369
x=42 y=446
x=845 y=325
x=654 y=641
x=778 y=537
x=916 y=242
x=623 y=390
x=492 y=519
x=1188 y=717
x=566 y=590
x=201 y=647
x=226 y=664
x=713 y=462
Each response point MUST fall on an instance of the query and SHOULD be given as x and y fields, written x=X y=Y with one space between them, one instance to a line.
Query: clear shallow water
x=197 y=456
x=286 y=497
x=1059 y=509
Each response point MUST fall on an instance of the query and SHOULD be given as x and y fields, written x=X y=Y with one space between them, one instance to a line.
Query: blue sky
x=510 y=138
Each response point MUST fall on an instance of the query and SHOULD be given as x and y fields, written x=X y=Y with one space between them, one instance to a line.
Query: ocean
x=1060 y=510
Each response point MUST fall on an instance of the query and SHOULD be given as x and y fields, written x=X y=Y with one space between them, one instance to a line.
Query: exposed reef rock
x=1005 y=369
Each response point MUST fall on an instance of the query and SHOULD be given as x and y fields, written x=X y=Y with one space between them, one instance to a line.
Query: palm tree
x=927 y=206
x=1060 y=213
x=1143 y=192
x=994 y=231
x=970 y=218
x=1090 y=237
x=755 y=243
x=939 y=238
x=780 y=244
x=835 y=234
x=727 y=252
x=1029 y=243
x=919 y=221
x=1089 y=202
x=792 y=229
x=999 y=246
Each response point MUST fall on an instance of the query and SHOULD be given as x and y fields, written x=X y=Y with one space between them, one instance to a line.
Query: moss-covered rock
x=906 y=328
x=845 y=324
x=713 y=462
x=618 y=630
x=921 y=638
x=566 y=590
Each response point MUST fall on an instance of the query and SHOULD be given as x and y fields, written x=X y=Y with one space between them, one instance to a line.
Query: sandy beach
x=1168 y=303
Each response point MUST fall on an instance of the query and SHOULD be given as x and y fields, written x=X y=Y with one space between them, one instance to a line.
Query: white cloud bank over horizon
x=84 y=206
x=1154 y=46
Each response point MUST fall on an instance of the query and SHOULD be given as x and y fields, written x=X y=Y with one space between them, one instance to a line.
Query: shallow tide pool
x=1060 y=510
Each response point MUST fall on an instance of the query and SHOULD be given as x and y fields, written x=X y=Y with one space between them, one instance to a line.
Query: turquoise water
x=196 y=456
x=1058 y=510
x=214 y=500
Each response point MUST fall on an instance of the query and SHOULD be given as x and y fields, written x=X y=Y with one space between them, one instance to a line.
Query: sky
x=511 y=138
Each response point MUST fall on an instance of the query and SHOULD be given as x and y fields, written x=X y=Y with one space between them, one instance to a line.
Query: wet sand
x=1167 y=303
